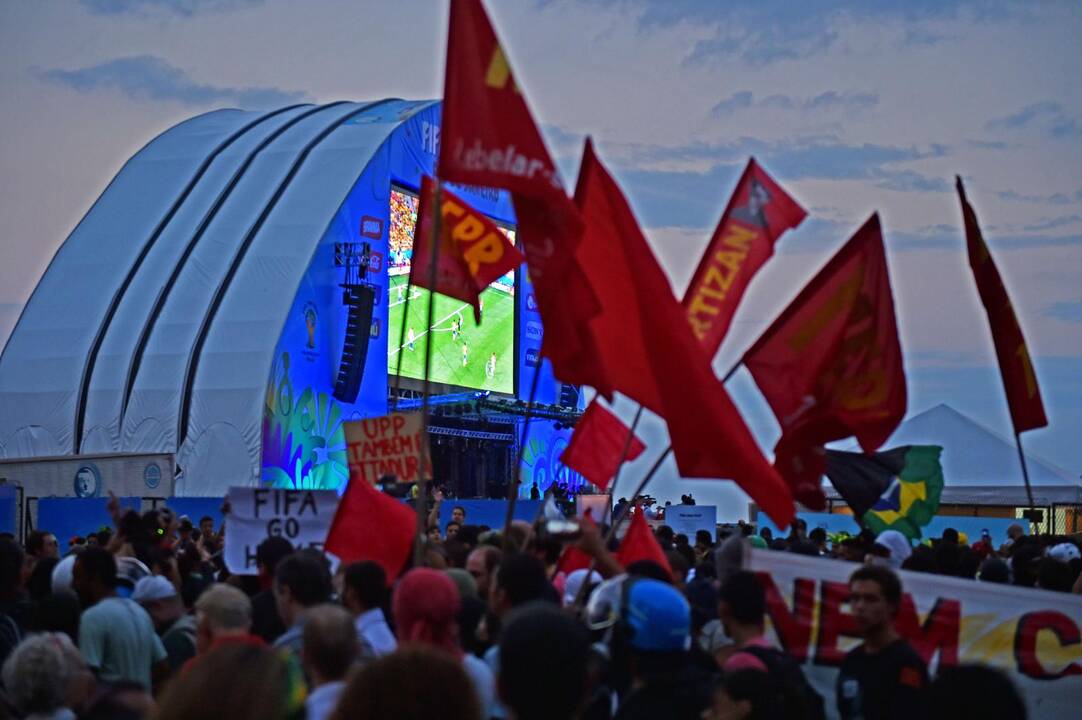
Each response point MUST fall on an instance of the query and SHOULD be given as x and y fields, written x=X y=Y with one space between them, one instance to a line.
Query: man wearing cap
x=656 y=622
x=891 y=549
x=176 y=628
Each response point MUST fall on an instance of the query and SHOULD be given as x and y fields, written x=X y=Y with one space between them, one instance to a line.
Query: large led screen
x=463 y=353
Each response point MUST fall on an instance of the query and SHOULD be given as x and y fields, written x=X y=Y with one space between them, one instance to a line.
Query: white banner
x=689 y=519
x=1034 y=635
x=302 y=517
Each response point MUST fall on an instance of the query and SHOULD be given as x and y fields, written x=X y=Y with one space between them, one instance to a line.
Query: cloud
x=849 y=102
x=738 y=101
x=1048 y=116
x=987 y=144
x=146 y=77
x=763 y=32
x=829 y=101
x=1070 y=311
x=1053 y=199
x=1052 y=223
x=910 y=181
x=182 y=8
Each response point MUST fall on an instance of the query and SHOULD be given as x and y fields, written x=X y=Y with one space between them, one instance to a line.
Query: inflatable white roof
x=159 y=315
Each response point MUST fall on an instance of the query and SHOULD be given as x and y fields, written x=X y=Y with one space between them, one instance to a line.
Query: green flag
x=912 y=499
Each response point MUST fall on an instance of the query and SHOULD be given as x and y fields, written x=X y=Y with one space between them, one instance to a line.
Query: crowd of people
x=145 y=621
x=1049 y=562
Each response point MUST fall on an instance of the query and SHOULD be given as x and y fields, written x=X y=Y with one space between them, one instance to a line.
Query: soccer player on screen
x=465 y=354
x=409 y=337
x=490 y=366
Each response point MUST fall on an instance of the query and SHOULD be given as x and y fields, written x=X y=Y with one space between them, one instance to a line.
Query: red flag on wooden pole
x=597 y=446
x=831 y=364
x=758 y=212
x=489 y=138
x=371 y=525
x=474 y=252
x=639 y=543
x=649 y=353
x=1015 y=366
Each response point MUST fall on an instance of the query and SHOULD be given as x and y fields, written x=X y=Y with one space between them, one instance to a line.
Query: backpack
x=798 y=698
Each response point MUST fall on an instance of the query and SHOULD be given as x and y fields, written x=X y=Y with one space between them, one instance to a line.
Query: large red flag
x=648 y=351
x=489 y=138
x=831 y=364
x=639 y=543
x=757 y=214
x=370 y=525
x=597 y=446
x=1019 y=380
x=473 y=250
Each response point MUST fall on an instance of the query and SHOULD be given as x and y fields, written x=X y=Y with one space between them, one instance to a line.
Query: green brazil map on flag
x=897 y=489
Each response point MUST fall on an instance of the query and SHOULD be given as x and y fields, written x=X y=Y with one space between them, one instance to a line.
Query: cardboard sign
x=302 y=517
x=689 y=519
x=1030 y=634
x=387 y=445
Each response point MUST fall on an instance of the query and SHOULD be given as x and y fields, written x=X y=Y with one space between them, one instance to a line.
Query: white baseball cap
x=151 y=588
x=1064 y=552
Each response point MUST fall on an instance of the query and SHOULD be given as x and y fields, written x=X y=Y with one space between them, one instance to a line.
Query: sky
x=853 y=107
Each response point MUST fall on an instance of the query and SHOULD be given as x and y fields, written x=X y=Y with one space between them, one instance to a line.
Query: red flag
x=489 y=138
x=597 y=446
x=757 y=214
x=831 y=365
x=648 y=351
x=640 y=544
x=1015 y=366
x=572 y=558
x=473 y=250
x=370 y=525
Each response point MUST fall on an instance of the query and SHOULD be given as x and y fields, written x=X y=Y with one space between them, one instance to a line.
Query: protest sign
x=689 y=519
x=300 y=516
x=387 y=445
x=1031 y=634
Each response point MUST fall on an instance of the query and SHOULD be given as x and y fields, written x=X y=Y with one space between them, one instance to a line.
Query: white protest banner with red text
x=300 y=516
x=1033 y=635
x=387 y=445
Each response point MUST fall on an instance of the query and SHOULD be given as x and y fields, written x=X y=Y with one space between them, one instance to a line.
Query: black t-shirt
x=891 y=683
x=265 y=621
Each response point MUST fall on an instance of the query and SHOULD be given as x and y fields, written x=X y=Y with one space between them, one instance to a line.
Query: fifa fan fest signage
x=1034 y=635
x=389 y=445
x=302 y=517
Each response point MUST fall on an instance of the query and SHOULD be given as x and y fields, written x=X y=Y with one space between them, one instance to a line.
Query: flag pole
x=627 y=449
x=512 y=490
x=421 y=501
x=638 y=491
x=642 y=486
x=618 y=520
x=1025 y=478
x=631 y=435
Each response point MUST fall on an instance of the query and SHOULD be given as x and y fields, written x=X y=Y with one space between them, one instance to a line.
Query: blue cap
x=658 y=617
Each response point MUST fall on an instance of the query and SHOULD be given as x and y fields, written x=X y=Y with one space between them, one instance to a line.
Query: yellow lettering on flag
x=487 y=251
x=738 y=236
x=1027 y=369
x=829 y=310
x=499 y=72
x=467 y=229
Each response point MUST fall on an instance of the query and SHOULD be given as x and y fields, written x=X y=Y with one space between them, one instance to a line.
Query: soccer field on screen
x=495 y=334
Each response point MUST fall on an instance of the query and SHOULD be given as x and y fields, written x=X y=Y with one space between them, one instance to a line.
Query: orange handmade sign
x=394 y=444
